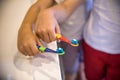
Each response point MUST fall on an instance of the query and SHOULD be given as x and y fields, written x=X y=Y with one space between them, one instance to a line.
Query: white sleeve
x=59 y=1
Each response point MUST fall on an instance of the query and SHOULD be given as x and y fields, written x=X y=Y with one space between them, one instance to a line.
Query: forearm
x=64 y=10
x=26 y=39
x=32 y=13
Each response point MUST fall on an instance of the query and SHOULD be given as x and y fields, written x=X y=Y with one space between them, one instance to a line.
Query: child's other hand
x=27 y=42
x=46 y=26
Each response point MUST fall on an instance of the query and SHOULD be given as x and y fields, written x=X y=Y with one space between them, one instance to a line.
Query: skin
x=47 y=21
x=45 y=17
x=27 y=40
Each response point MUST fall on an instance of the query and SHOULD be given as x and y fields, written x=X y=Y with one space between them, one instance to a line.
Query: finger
x=38 y=34
x=45 y=37
x=34 y=49
x=37 y=30
x=41 y=36
x=21 y=49
x=39 y=42
x=57 y=29
x=52 y=36
x=28 y=50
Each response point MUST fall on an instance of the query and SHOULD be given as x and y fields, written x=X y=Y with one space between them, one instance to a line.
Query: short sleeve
x=59 y=1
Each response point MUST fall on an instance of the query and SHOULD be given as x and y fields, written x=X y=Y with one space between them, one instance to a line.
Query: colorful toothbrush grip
x=43 y=49
x=60 y=37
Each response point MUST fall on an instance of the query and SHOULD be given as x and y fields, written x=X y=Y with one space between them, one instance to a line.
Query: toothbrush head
x=74 y=42
x=60 y=51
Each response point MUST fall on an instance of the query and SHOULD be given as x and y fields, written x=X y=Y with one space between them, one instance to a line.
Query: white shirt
x=103 y=29
x=73 y=27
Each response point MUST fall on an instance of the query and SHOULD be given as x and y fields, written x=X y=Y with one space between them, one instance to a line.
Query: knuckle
x=20 y=48
x=43 y=30
x=36 y=52
x=38 y=31
x=25 y=45
x=48 y=41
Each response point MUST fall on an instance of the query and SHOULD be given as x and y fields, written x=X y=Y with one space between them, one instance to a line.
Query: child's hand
x=46 y=26
x=27 y=41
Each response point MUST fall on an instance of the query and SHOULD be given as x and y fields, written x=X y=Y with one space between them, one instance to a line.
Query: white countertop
x=13 y=65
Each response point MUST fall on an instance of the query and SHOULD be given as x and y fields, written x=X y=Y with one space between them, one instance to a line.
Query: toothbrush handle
x=43 y=49
x=60 y=37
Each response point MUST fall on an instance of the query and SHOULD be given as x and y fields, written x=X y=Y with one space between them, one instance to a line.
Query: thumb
x=39 y=42
x=57 y=29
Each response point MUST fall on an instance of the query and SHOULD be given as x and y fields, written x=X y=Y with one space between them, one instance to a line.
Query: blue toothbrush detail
x=59 y=51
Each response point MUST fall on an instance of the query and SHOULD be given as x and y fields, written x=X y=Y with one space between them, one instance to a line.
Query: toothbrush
x=73 y=42
x=58 y=51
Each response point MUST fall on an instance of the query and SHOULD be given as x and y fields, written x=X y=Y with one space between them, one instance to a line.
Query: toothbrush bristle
x=60 y=51
x=74 y=42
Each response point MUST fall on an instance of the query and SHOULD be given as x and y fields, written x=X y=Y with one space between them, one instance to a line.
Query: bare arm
x=47 y=25
x=34 y=10
x=26 y=39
